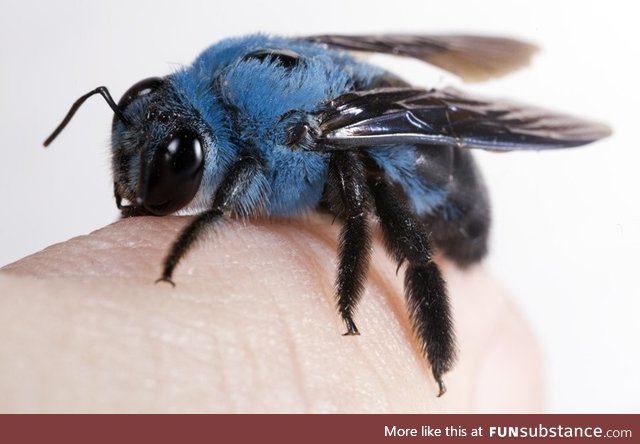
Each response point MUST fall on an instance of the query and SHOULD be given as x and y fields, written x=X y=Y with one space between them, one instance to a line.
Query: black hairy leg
x=407 y=239
x=233 y=186
x=347 y=195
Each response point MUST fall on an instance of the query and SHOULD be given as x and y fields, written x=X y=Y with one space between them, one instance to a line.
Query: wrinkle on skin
x=252 y=326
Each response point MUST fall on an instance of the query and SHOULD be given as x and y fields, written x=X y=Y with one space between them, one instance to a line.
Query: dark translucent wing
x=388 y=116
x=473 y=58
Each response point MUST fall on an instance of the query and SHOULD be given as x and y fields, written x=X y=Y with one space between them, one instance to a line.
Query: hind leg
x=407 y=239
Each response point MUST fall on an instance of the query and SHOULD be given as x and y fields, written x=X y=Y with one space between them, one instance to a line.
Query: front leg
x=407 y=240
x=348 y=196
x=239 y=191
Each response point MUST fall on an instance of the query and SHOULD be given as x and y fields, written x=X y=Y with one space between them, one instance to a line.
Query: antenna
x=104 y=92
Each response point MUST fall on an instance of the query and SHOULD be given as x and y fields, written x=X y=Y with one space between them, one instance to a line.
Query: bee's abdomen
x=460 y=226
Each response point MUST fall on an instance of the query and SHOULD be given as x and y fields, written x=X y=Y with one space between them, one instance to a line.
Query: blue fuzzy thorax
x=244 y=106
x=249 y=104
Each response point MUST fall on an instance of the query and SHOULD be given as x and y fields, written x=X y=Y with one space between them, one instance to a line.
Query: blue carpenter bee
x=280 y=126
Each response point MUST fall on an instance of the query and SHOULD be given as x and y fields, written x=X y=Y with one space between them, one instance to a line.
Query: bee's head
x=158 y=158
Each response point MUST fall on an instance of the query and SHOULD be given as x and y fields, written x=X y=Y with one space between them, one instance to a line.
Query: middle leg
x=348 y=196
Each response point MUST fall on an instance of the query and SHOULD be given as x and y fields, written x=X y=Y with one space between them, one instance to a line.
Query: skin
x=250 y=327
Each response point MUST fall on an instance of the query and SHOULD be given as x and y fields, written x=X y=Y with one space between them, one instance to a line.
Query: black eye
x=143 y=87
x=175 y=174
x=285 y=57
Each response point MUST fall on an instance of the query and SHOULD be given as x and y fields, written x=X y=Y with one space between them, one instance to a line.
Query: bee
x=264 y=125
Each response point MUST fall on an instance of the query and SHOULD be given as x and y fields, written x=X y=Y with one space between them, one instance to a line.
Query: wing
x=473 y=58
x=391 y=116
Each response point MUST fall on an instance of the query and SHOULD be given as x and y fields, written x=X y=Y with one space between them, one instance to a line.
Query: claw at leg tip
x=442 y=389
x=352 y=330
x=167 y=280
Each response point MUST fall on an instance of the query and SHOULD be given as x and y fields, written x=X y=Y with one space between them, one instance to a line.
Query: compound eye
x=175 y=174
x=142 y=88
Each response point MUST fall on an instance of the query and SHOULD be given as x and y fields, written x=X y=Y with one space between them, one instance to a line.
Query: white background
x=566 y=232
